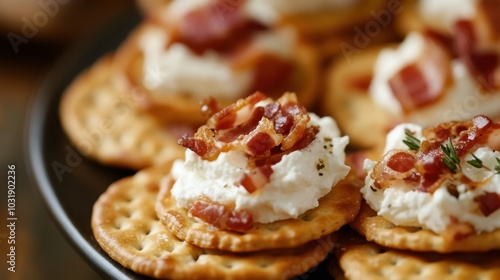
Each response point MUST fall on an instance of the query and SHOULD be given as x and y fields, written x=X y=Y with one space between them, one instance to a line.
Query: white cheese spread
x=295 y=186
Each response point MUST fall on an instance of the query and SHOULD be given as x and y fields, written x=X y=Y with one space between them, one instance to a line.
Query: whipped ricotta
x=441 y=15
x=295 y=186
x=407 y=207
x=463 y=99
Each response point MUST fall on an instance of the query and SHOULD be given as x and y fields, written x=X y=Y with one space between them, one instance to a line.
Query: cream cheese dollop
x=177 y=69
x=462 y=100
x=408 y=207
x=298 y=181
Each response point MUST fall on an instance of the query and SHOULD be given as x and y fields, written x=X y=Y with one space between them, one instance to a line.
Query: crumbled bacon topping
x=263 y=129
x=423 y=82
x=221 y=216
x=424 y=169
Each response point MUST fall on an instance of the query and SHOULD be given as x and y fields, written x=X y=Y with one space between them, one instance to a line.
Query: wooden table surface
x=41 y=250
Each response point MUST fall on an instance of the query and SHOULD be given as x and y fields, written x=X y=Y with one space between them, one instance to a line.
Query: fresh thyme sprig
x=450 y=158
x=497 y=168
x=411 y=141
x=476 y=162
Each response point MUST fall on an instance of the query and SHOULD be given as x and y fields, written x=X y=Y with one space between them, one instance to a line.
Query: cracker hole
x=139 y=246
x=118 y=225
x=308 y=217
x=228 y=265
x=272 y=227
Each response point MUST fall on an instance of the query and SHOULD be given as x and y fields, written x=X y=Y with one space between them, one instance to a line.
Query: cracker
x=385 y=233
x=335 y=209
x=304 y=80
x=360 y=259
x=125 y=225
x=328 y=29
x=346 y=99
x=105 y=124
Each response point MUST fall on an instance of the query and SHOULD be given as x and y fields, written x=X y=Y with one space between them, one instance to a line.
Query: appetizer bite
x=260 y=174
x=260 y=192
x=189 y=50
x=422 y=81
x=125 y=225
x=435 y=189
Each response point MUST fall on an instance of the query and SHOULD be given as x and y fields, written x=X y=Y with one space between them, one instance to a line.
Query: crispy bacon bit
x=488 y=203
x=402 y=162
x=264 y=133
x=197 y=145
x=270 y=70
x=424 y=81
x=210 y=27
x=209 y=106
x=221 y=216
x=260 y=143
x=256 y=178
x=482 y=64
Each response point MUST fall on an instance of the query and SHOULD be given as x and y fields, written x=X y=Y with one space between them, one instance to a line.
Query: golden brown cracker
x=125 y=225
x=410 y=20
x=335 y=210
x=347 y=100
x=360 y=259
x=104 y=123
x=385 y=233
x=304 y=80
x=332 y=31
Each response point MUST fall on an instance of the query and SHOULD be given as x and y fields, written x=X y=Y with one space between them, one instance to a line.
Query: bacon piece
x=488 y=203
x=210 y=27
x=424 y=81
x=401 y=162
x=482 y=64
x=221 y=216
x=210 y=106
x=198 y=146
x=231 y=134
x=269 y=70
x=256 y=178
x=227 y=117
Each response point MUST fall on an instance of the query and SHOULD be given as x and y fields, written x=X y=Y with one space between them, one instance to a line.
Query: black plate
x=68 y=183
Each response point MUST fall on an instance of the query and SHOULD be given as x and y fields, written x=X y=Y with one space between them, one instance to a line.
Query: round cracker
x=125 y=225
x=385 y=233
x=335 y=209
x=346 y=99
x=330 y=30
x=304 y=80
x=105 y=124
x=360 y=259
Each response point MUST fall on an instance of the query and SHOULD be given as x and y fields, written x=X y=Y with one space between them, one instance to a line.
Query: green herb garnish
x=411 y=141
x=450 y=158
x=476 y=162
x=497 y=168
